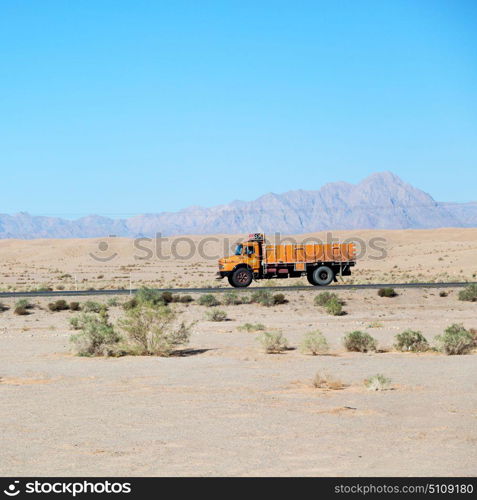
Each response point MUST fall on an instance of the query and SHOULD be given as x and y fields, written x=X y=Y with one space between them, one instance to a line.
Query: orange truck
x=255 y=260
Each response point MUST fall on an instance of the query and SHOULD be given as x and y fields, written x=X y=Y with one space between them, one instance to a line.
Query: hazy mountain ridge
x=381 y=201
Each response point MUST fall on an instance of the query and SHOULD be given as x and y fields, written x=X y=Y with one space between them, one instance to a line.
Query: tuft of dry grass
x=324 y=380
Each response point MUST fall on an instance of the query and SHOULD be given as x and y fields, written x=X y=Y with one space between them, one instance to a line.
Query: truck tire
x=241 y=277
x=322 y=276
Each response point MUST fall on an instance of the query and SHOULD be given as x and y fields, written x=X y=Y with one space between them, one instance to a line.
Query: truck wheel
x=323 y=275
x=311 y=280
x=241 y=278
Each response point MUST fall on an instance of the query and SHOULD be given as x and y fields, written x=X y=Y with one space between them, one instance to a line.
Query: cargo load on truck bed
x=255 y=259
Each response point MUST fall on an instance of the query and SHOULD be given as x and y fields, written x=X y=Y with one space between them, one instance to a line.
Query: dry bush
x=235 y=299
x=378 y=382
x=359 y=342
x=323 y=380
x=154 y=330
x=208 y=300
x=75 y=306
x=387 y=292
x=97 y=338
x=411 y=340
x=314 y=343
x=456 y=340
x=59 y=305
x=216 y=315
x=252 y=327
x=273 y=342
x=90 y=306
x=22 y=307
x=469 y=293
x=323 y=298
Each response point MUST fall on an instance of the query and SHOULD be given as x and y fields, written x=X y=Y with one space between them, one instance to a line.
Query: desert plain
x=224 y=406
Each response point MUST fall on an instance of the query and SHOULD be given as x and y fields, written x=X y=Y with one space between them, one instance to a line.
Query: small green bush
x=112 y=302
x=75 y=306
x=378 y=382
x=469 y=293
x=314 y=343
x=411 y=340
x=153 y=297
x=216 y=315
x=334 y=307
x=323 y=298
x=387 y=292
x=183 y=299
x=208 y=300
x=22 y=307
x=273 y=342
x=234 y=299
x=130 y=304
x=278 y=299
x=59 y=305
x=262 y=297
x=359 y=342
x=92 y=307
x=97 y=338
x=154 y=330
x=456 y=340
x=252 y=327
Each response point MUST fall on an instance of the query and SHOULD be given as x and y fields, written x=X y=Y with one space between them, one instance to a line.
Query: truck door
x=253 y=257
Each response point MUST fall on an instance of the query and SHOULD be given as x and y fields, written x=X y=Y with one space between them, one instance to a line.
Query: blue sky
x=125 y=107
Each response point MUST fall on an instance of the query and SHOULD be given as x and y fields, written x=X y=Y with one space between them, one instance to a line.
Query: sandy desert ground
x=225 y=407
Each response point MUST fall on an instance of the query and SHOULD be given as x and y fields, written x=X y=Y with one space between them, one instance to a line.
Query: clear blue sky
x=124 y=107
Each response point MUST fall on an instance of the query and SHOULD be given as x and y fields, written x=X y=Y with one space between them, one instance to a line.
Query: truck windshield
x=238 y=250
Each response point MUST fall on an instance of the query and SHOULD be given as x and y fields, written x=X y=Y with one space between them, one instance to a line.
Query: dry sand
x=227 y=408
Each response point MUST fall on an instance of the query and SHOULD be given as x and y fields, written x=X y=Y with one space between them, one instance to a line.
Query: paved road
x=67 y=293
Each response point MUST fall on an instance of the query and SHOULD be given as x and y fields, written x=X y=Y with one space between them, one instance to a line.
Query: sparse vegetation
x=323 y=380
x=153 y=330
x=59 y=305
x=469 y=293
x=323 y=298
x=235 y=299
x=456 y=340
x=92 y=307
x=314 y=343
x=359 y=342
x=273 y=342
x=265 y=298
x=443 y=294
x=334 y=307
x=387 y=292
x=208 y=300
x=75 y=306
x=3 y=307
x=97 y=338
x=378 y=382
x=22 y=307
x=216 y=315
x=112 y=302
x=411 y=340
x=252 y=327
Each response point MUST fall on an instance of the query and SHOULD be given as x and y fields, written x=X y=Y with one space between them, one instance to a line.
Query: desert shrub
x=153 y=297
x=456 y=340
x=334 y=307
x=387 y=292
x=273 y=342
x=234 y=299
x=130 y=304
x=92 y=307
x=443 y=294
x=208 y=300
x=359 y=342
x=184 y=299
x=22 y=307
x=112 y=302
x=59 y=305
x=323 y=298
x=323 y=380
x=469 y=293
x=411 y=340
x=3 y=307
x=252 y=327
x=97 y=337
x=154 y=330
x=279 y=298
x=216 y=315
x=377 y=382
x=75 y=306
x=262 y=297
x=314 y=343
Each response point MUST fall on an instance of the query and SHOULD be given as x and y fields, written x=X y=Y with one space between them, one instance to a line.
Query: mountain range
x=381 y=201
